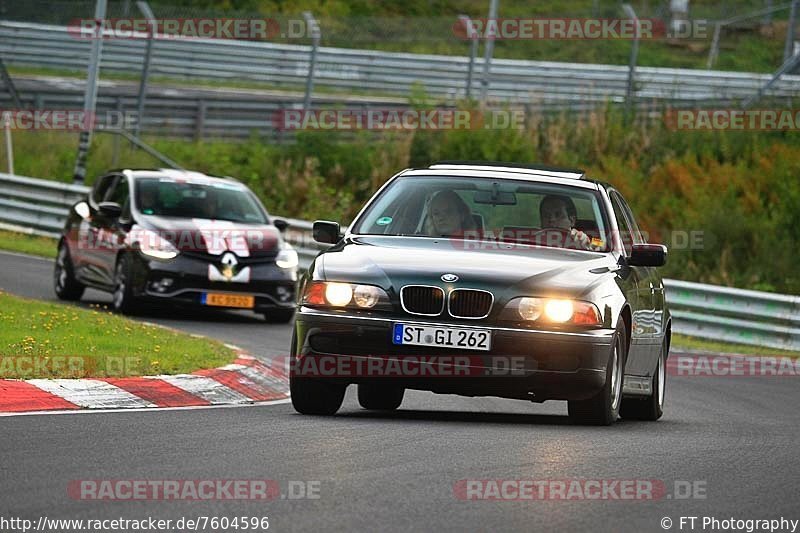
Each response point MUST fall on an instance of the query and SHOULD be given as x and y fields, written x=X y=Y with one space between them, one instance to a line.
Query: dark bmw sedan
x=486 y=279
x=180 y=237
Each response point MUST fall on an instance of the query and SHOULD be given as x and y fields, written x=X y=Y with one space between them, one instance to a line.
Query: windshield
x=509 y=211
x=212 y=200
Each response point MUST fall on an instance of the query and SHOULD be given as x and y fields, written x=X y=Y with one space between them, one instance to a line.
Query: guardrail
x=284 y=65
x=699 y=310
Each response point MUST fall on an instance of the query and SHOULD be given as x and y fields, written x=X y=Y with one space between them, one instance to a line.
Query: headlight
x=366 y=295
x=337 y=294
x=287 y=258
x=551 y=311
x=153 y=245
x=530 y=308
x=558 y=310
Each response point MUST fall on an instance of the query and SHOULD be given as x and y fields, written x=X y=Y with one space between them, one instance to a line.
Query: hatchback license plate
x=241 y=301
x=470 y=339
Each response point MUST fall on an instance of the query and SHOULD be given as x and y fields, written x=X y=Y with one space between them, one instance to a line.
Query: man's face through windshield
x=554 y=214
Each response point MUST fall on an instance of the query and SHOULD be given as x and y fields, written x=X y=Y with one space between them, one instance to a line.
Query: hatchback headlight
x=287 y=258
x=153 y=245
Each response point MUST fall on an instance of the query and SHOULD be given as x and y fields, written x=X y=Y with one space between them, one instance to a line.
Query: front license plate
x=470 y=339
x=241 y=301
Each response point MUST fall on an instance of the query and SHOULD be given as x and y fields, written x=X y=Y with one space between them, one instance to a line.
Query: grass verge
x=49 y=340
x=27 y=244
x=682 y=342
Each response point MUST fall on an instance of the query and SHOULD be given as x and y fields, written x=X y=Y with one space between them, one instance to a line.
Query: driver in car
x=558 y=212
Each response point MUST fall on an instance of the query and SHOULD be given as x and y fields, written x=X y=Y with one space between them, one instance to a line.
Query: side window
x=625 y=235
x=637 y=235
x=120 y=194
x=101 y=188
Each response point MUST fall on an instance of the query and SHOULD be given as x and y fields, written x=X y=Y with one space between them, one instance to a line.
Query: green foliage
x=725 y=201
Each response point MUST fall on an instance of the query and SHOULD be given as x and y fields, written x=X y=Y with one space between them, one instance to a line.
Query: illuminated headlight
x=552 y=311
x=337 y=294
x=558 y=310
x=152 y=245
x=287 y=258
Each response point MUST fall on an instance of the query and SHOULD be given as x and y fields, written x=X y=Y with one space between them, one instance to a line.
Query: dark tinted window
x=625 y=233
x=101 y=187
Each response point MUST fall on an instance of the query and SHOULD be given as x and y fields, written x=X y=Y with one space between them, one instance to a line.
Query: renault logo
x=229 y=263
x=449 y=278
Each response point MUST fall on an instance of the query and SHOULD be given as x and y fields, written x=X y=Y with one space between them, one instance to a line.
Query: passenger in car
x=448 y=215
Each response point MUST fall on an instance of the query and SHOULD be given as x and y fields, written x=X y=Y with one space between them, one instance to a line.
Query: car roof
x=190 y=176
x=508 y=171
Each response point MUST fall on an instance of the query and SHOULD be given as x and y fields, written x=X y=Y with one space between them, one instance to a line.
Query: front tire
x=379 y=397
x=124 y=298
x=313 y=397
x=66 y=287
x=652 y=407
x=603 y=408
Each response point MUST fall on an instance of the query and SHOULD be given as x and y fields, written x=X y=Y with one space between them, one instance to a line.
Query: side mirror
x=280 y=224
x=325 y=231
x=110 y=209
x=648 y=255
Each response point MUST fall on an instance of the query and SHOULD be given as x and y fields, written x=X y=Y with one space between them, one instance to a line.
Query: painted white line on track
x=90 y=393
x=147 y=409
x=206 y=388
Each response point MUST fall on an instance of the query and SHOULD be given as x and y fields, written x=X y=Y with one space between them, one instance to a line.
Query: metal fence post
x=200 y=120
x=629 y=92
x=316 y=35
x=472 y=35
x=488 y=50
x=9 y=143
x=713 y=52
x=788 y=48
x=91 y=93
x=9 y=83
x=148 y=51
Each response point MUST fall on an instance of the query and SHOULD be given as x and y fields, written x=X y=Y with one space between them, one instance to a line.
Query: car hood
x=214 y=236
x=392 y=262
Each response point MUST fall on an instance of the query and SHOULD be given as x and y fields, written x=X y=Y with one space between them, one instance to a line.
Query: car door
x=644 y=317
x=88 y=256
x=113 y=230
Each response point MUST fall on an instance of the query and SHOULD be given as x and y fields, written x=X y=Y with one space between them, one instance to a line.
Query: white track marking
x=148 y=409
x=206 y=388
x=91 y=393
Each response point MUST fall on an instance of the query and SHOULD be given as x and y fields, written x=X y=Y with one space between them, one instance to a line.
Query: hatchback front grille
x=422 y=300
x=470 y=303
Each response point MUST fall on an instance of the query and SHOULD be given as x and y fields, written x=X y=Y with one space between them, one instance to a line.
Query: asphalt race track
x=733 y=438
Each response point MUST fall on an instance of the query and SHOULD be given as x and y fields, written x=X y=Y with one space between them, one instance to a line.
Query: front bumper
x=187 y=279
x=527 y=364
